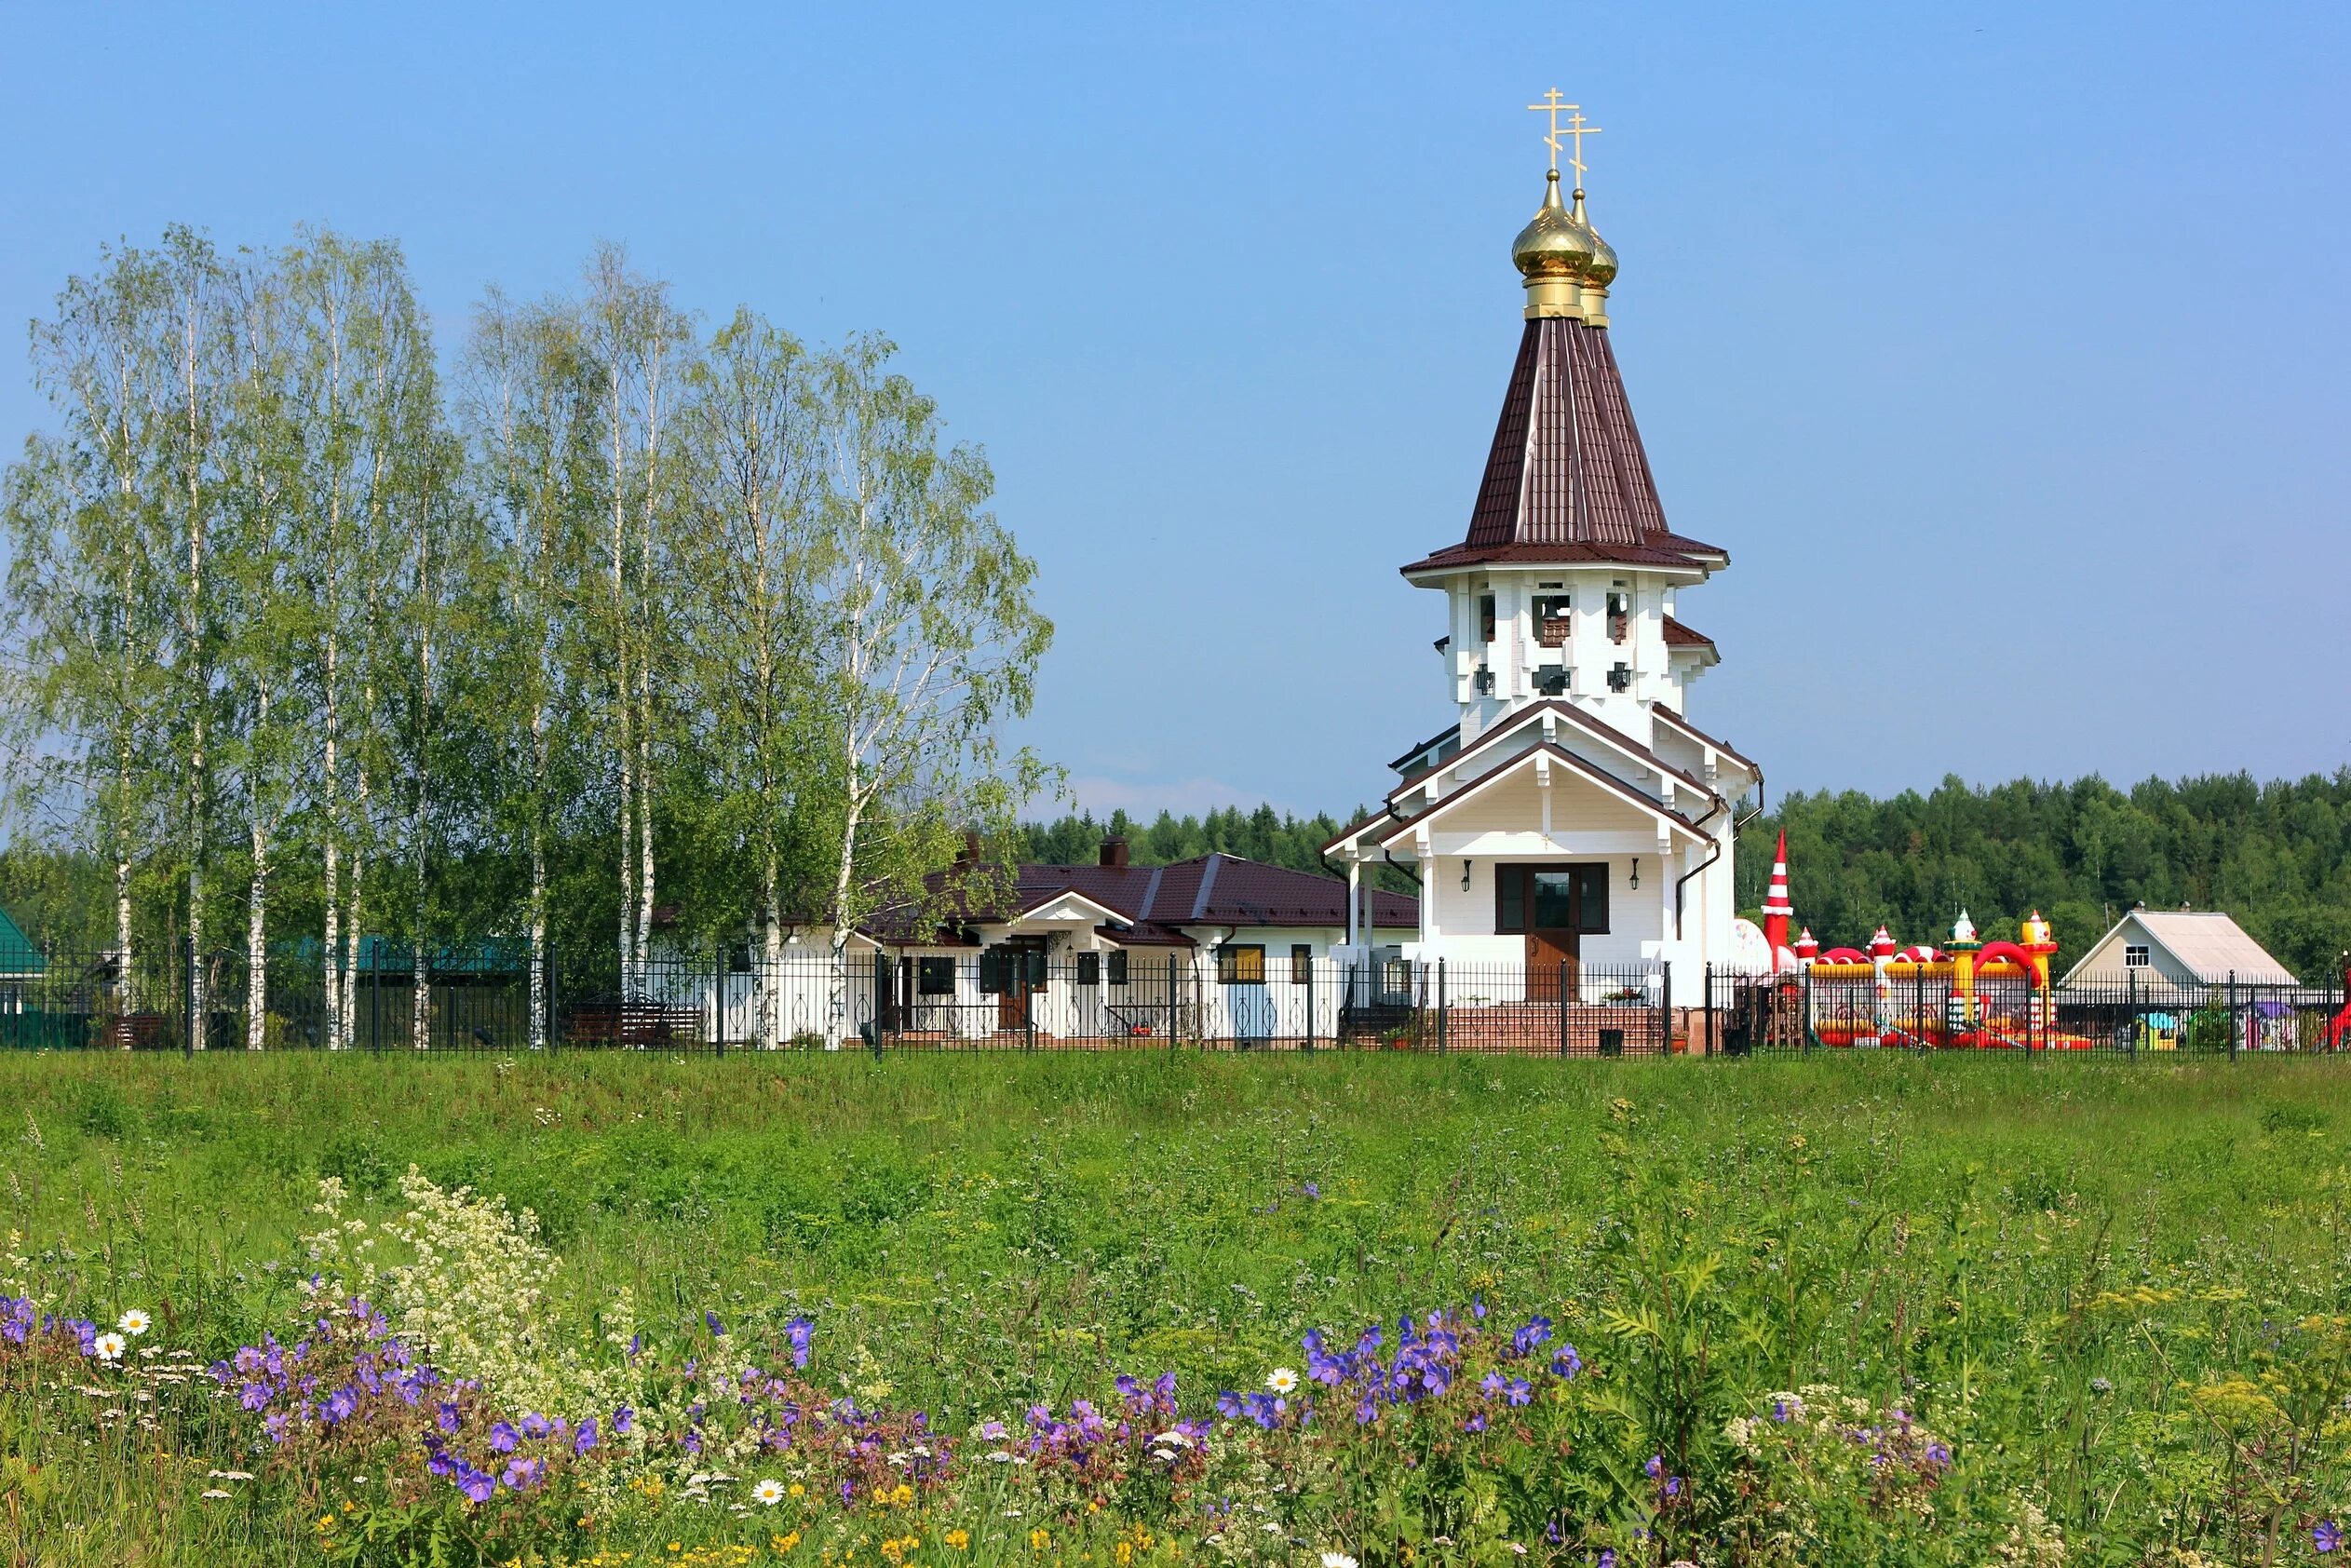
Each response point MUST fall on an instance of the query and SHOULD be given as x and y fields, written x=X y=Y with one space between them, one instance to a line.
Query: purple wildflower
x=503 y=1438
x=586 y=1437
x=623 y=1419
x=800 y=1331
x=712 y=1320
x=2326 y=1536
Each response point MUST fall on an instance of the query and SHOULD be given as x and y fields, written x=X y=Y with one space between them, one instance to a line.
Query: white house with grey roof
x=2157 y=948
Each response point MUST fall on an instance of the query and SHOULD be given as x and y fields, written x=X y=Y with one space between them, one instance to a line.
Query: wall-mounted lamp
x=1636 y=872
x=1465 y=876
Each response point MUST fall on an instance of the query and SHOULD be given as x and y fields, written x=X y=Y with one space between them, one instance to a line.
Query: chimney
x=1113 y=851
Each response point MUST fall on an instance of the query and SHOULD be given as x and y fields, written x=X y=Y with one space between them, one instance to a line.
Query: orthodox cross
x=1554 y=108
x=1578 y=129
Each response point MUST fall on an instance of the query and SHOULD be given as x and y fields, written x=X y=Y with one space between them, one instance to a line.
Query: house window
x=2134 y=956
x=1240 y=964
x=1485 y=617
x=1118 y=968
x=1089 y=968
x=1302 y=964
x=1551 y=899
x=935 y=977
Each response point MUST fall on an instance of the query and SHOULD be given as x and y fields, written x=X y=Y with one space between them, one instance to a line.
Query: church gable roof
x=1567 y=479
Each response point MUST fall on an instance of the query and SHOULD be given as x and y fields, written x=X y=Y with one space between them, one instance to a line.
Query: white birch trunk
x=349 y=1024
x=771 y=973
x=256 y=944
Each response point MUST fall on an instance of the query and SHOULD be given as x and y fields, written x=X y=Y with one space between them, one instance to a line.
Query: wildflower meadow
x=1159 y=1309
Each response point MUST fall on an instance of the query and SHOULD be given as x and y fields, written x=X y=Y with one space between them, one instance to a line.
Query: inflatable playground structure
x=1974 y=994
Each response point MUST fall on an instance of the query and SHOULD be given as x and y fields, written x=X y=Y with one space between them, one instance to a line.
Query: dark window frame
x=1588 y=893
x=1302 y=963
x=1233 y=958
x=934 y=976
x=1117 y=968
x=1089 y=968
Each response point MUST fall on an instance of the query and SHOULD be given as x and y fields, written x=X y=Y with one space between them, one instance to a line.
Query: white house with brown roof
x=1215 y=947
x=2157 y=948
x=1570 y=816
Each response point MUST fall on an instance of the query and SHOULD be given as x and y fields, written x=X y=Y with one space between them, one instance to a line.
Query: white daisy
x=1281 y=1380
x=770 y=1492
x=109 y=1347
x=135 y=1322
x=1337 y=1559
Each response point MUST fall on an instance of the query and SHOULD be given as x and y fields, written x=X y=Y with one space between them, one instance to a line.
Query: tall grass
x=2050 y=1258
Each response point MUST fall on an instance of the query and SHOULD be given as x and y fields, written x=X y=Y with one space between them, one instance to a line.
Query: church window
x=1551 y=620
x=1550 y=679
x=1485 y=617
x=1240 y=964
x=1621 y=677
x=1619 y=613
x=2134 y=956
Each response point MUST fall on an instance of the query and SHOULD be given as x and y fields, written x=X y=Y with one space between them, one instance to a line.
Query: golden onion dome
x=1601 y=272
x=1553 y=244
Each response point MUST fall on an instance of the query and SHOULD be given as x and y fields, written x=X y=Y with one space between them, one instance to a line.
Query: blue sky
x=2003 y=346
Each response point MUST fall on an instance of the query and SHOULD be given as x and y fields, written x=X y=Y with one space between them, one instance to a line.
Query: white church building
x=1570 y=816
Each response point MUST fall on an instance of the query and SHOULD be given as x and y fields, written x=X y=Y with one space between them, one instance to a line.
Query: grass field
x=2109 y=1296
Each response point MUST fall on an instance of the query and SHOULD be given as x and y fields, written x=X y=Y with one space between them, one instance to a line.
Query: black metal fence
x=1241 y=998
x=1252 y=997
x=1927 y=1008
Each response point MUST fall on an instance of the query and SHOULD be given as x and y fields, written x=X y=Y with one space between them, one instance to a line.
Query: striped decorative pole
x=1778 y=911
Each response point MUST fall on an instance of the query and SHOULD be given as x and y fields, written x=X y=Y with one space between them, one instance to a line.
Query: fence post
x=1172 y=1001
x=1563 y=1001
x=1028 y=1001
x=1665 y=1013
x=2130 y=1033
x=1440 y=1005
x=2233 y=1026
x=187 y=999
x=375 y=1000
x=1310 y=1005
x=1709 y=1049
x=1805 y=1021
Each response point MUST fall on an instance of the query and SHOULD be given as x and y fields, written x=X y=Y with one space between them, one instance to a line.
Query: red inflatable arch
x=1844 y=955
x=2016 y=954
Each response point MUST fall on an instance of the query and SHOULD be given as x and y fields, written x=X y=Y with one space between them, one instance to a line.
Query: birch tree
x=927 y=641
x=85 y=612
x=359 y=413
x=528 y=413
x=748 y=532
x=641 y=345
